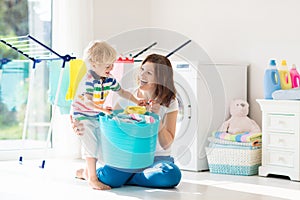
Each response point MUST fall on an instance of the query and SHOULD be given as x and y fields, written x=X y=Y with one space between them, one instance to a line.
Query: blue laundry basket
x=128 y=145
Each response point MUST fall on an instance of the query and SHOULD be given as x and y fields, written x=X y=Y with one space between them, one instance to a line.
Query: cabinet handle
x=281 y=141
x=281 y=123
x=281 y=159
x=277 y=123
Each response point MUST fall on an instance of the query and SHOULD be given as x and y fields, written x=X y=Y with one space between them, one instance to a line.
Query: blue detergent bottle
x=271 y=80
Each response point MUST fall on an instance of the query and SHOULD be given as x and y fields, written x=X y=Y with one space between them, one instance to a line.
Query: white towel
x=291 y=94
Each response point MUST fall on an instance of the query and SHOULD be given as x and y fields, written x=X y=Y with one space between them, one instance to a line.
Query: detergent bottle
x=295 y=76
x=271 y=80
x=284 y=74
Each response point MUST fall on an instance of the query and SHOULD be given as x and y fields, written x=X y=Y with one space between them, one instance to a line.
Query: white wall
x=241 y=31
x=116 y=16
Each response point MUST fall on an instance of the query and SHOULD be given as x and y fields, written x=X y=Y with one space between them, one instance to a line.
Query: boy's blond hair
x=100 y=52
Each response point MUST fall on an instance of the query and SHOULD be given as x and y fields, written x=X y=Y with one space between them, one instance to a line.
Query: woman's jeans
x=163 y=173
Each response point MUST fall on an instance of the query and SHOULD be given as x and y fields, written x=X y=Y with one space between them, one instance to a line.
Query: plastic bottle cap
x=283 y=63
x=272 y=62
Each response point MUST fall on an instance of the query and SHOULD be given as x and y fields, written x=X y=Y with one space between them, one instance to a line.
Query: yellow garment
x=77 y=71
x=135 y=110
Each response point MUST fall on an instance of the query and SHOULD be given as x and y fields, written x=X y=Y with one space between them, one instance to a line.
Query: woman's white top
x=162 y=113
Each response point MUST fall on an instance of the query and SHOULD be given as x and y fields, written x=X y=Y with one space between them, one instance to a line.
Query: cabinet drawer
x=279 y=158
x=278 y=140
x=281 y=122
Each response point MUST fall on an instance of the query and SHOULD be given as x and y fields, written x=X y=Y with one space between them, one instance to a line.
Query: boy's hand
x=76 y=126
x=104 y=110
x=107 y=110
x=142 y=103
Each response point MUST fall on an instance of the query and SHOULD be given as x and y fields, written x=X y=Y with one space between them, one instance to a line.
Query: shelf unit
x=281 y=138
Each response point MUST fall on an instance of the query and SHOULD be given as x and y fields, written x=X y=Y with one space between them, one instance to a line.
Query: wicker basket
x=235 y=161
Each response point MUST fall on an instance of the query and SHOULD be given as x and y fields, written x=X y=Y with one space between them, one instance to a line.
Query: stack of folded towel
x=240 y=139
x=238 y=154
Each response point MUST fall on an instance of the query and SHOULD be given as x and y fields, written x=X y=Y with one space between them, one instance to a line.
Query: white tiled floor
x=56 y=181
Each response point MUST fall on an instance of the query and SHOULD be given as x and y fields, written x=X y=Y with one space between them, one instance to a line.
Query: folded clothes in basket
x=230 y=146
x=134 y=118
x=240 y=137
x=233 y=157
x=233 y=143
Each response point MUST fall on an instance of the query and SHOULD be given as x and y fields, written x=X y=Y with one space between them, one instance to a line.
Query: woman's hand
x=76 y=126
x=153 y=106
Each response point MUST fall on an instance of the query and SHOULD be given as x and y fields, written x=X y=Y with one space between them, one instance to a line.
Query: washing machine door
x=186 y=120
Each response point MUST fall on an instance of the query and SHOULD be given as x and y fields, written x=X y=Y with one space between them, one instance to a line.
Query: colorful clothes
x=55 y=68
x=241 y=137
x=227 y=142
x=134 y=118
x=77 y=71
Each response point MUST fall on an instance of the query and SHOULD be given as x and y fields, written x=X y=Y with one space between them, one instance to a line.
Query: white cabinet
x=280 y=138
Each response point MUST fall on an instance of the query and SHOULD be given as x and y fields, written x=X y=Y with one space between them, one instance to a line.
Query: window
x=19 y=18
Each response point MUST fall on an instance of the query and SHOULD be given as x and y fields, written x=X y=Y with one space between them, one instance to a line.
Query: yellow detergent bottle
x=285 y=77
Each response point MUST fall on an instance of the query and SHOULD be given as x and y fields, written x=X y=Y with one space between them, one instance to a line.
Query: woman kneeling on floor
x=156 y=85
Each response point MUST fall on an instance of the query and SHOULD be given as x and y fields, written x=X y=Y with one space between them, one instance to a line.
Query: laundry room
x=194 y=99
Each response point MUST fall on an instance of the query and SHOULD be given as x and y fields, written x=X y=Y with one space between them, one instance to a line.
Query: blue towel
x=14 y=84
x=55 y=67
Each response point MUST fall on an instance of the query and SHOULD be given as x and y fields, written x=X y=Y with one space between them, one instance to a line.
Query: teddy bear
x=239 y=122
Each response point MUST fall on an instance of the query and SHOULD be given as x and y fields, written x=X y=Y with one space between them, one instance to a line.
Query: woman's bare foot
x=97 y=185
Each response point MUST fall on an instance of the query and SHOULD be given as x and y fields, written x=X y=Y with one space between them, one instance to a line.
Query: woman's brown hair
x=165 y=89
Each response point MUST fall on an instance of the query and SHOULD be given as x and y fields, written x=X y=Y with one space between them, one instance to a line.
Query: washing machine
x=202 y=108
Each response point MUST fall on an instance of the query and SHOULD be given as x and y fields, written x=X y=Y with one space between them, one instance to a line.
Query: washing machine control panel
x=182 y=66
